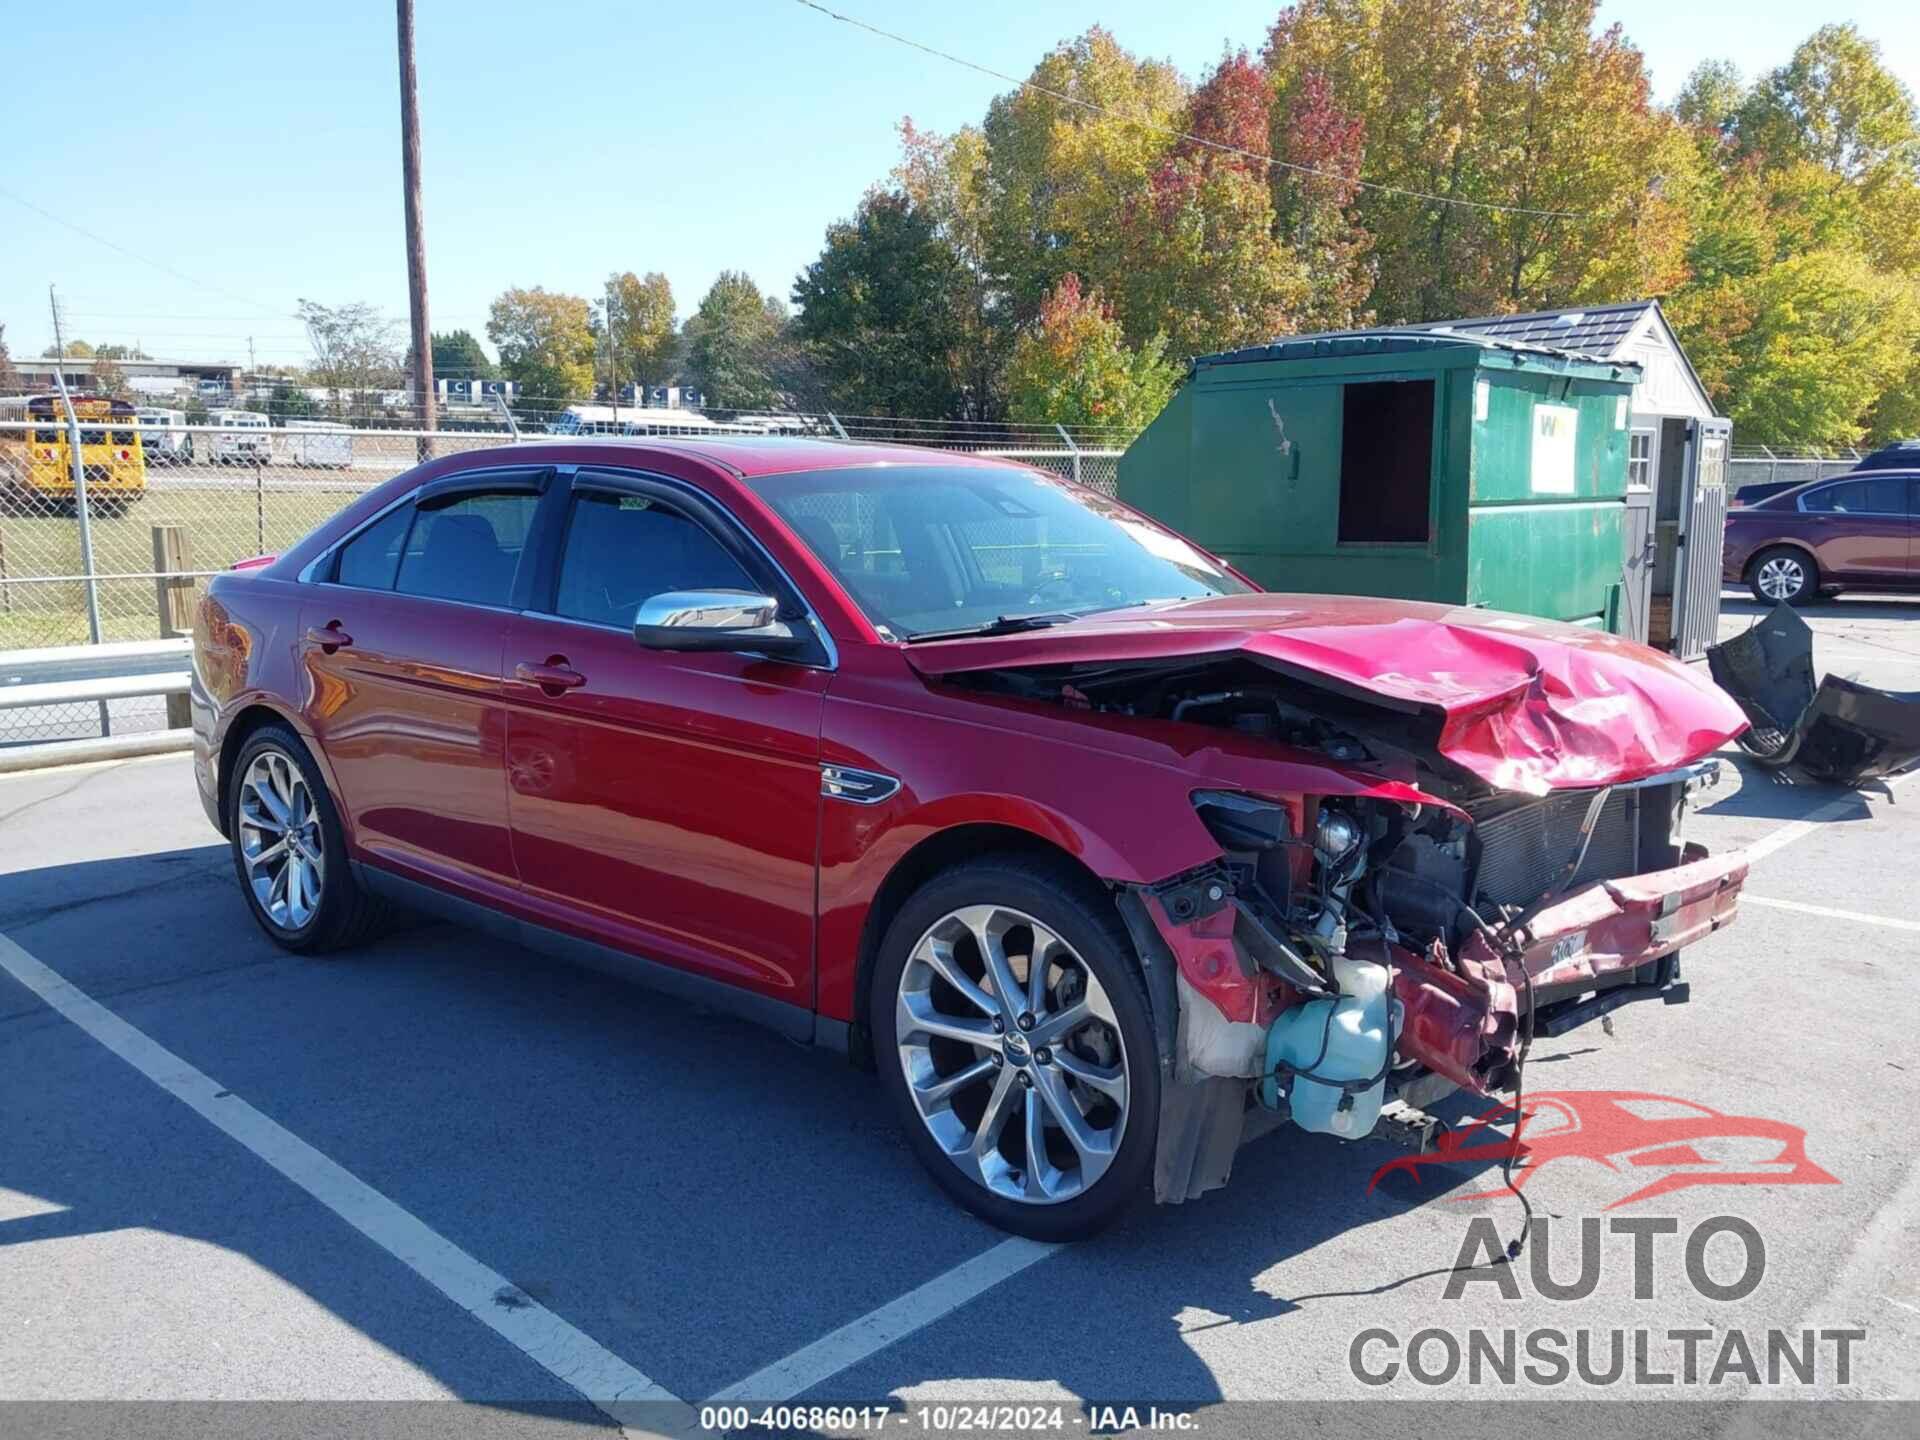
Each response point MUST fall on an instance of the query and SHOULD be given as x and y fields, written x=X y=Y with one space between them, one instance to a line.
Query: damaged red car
x=1101 y=858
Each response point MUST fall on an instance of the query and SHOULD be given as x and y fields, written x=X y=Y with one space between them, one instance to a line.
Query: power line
x=1224 y=149
x=143 y=259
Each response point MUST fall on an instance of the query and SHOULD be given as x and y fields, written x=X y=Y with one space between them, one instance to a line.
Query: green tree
x=730 y=340
x=946 y=179
x=1829 y=336
x=1710 y=100
x=457 y=355
x=120 y=352
x=291 y=402
x=640 y=322
x=1833 y=103
x=879 y=314
x=546 y=345
x=1075 y=367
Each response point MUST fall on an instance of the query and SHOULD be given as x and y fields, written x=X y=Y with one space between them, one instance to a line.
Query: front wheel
x=1783 y=573
x=289 y=849
x=1013 y=1036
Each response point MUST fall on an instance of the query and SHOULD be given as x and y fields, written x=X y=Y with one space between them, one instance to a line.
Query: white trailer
x=317 y=443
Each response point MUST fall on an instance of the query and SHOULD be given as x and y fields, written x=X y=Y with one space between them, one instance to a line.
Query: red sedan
x=981 y=777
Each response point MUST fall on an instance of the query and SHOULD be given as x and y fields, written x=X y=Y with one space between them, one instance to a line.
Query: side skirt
x=790 y=1021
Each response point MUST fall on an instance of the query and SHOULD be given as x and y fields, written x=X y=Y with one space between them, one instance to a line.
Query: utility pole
x=416 y=241
x=613 y=361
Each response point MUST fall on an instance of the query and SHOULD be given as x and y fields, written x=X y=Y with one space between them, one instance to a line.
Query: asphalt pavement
x=448 y=1168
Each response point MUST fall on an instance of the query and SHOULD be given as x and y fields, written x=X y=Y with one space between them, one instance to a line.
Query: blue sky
x=254 y=150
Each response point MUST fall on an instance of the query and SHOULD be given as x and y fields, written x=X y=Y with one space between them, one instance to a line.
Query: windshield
x=927 y=550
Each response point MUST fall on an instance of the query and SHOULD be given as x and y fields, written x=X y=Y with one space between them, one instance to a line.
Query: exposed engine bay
x=1354 y=953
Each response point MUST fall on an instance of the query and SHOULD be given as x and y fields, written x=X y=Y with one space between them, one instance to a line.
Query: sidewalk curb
x=80 y=752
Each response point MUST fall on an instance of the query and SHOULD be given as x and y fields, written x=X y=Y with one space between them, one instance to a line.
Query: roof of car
x=751 y=455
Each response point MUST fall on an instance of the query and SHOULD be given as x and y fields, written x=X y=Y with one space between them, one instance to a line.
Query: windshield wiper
x=999 y=625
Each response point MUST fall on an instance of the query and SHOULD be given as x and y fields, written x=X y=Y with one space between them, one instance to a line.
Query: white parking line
x=1748 y=898
x=1836 y=809
x=550 y=1342
x=874 y=1331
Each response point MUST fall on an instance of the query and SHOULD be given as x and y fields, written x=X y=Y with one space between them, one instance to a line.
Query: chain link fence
x=185 y=502
x=1756 y=464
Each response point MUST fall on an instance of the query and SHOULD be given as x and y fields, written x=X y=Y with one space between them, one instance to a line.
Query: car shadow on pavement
x=697 y=1195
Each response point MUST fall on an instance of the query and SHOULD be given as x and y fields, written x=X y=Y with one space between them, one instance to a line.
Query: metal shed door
x=1636 y=573
x=1697 y=590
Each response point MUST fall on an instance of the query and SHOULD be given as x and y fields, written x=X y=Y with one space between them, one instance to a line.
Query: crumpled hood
x=1526 y=704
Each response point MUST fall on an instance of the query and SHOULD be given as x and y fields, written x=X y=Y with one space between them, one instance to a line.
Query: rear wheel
x=1783 y=573
x=289 y=849
x=1013 y=1036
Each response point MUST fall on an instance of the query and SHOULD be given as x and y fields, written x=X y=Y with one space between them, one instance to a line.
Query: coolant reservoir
x=1357 y=1045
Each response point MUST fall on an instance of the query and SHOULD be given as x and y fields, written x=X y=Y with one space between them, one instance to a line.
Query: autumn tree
x=1068 y=152
x=1508 y=150
x=109 y=378
x=878 y=311
x=640 y=326
x=9 y=377
x=546 y=345
x=731 y=339
x=74 y=350
x=1074 y=367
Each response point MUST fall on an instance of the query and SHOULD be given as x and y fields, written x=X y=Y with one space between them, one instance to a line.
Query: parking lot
x=448 y=1168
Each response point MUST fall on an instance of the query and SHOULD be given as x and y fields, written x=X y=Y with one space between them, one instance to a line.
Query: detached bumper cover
x=1842 y=731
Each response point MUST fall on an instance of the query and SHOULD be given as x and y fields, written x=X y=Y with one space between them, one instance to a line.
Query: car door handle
x=331 y=638
x=553 y=677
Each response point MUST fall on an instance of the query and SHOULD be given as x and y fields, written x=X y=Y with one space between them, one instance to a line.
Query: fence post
x=173 y=598
x=86 y=524
x=6 y=590
x=1072 y=447
x=260 y=505
x=513 y=426
x=838 y=428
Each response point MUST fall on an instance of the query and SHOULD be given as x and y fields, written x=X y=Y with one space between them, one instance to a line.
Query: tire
x=1104 y=1066
x=1783 y=573
x=345 y=914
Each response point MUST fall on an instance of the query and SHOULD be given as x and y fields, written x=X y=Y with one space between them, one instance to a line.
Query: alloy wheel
x=1012 y=1054
x=1781 y=578
x=280 y=840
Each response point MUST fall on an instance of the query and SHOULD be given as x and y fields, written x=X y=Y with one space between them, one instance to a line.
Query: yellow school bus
x=110 y=449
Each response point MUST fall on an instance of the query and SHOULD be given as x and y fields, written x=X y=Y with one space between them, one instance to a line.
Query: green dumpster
x=1418 y=464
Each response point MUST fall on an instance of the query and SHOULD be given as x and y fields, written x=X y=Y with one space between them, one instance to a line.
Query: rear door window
x=468 y=548
x=372 y=558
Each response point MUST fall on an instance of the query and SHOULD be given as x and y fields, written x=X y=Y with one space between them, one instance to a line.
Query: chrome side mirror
x=714 y=620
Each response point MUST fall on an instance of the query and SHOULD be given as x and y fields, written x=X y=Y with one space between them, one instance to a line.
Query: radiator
x=1526 y=843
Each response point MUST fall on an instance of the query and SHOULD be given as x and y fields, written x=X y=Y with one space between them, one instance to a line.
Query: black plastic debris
x=1841 y=731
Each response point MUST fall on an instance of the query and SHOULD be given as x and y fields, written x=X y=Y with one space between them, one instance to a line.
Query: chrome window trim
x=674 y=483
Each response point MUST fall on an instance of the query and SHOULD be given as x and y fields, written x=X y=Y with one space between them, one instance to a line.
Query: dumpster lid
x=1343 y=344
